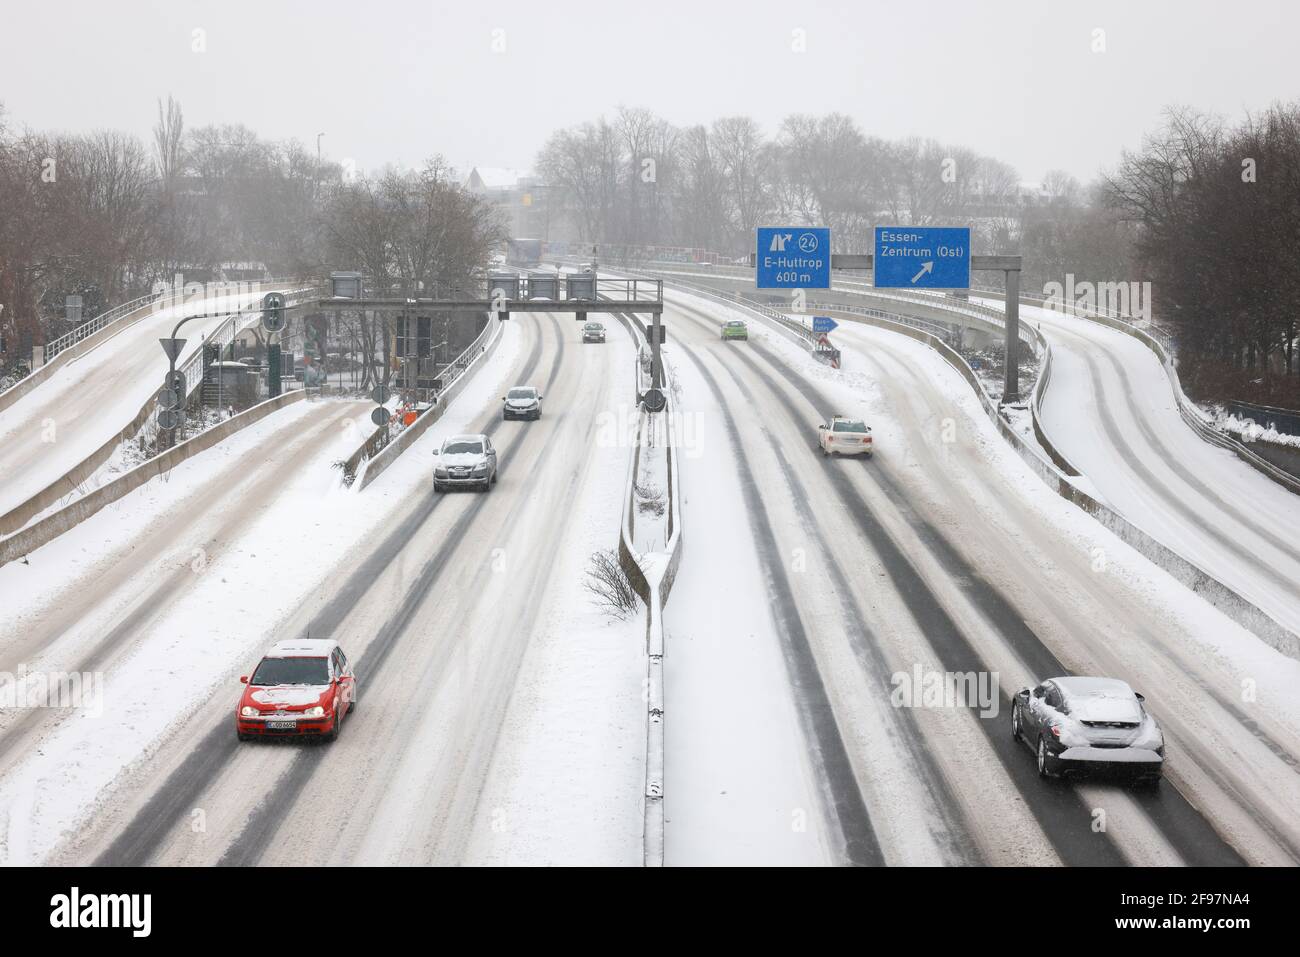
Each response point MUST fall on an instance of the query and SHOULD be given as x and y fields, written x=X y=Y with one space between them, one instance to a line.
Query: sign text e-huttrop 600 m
x=922 y=257
x=793 y=257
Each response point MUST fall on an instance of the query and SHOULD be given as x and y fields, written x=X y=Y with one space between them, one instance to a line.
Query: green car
x=735 y=329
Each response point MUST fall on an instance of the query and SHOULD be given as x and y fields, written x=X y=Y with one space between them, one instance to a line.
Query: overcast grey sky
x=392 y=80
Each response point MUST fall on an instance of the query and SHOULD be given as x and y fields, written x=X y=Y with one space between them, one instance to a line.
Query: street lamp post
x=316 y=178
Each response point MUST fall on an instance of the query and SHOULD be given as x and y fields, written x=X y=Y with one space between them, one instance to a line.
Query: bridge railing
x=92 y=326
x=230 y=327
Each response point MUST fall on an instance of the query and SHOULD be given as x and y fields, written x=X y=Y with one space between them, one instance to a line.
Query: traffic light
x=273 y=305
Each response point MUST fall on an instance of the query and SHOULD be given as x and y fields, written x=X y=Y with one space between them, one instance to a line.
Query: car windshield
x=845 y=425
x=291 y=671
x=522 y=393
x=593 y=326
x=735 y=323
x=452 y=448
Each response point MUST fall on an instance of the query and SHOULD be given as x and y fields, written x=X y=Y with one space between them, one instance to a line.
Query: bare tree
x=169 y=143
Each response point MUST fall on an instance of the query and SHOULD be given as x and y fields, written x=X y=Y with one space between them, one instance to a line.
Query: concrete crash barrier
x=374 y=466
x=70 y=481
x=653 y=581
x=52 y=526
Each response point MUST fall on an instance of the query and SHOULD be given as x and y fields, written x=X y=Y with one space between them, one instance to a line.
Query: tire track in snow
x=1180 y=822
x=1073 y=840
x=861 y=846
x=141 y=838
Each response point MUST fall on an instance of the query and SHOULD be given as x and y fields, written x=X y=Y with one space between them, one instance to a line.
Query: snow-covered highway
x=498 y=709
x=95 y=395
x=500 y=716
x=942 y=552
x=1110 y=409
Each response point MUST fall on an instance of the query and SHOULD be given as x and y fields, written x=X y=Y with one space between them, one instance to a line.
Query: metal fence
x=92 y=326
x=1286 y=421
x=1151 y=328
x=458 y=365
x=194 y=367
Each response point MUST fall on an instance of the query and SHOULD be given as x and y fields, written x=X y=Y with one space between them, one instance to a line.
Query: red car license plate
x=281 y=725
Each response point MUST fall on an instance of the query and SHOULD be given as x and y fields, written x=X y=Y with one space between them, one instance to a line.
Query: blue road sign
x=824 y=324
x=793 y=257
x=922 y=257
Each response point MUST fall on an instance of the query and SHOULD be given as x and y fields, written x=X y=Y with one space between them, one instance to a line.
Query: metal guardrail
x=92 y=326
x=379 y=439
x=924 y=325
x=1286 y=421
x=193 y=367
x=732 y=298
x=930 y=298
x=457 y=367
x=986 y=314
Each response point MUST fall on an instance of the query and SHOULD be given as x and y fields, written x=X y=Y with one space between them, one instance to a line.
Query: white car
x=522 y=402
x=844 y=436
x=465 y=461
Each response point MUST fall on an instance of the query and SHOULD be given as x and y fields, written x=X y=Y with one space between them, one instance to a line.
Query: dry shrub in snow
x=649 y=498
x=607 y=581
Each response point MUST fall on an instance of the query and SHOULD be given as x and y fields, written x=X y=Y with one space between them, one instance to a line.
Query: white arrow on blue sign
x=824 y=324
x=922 y=257
x=793 y=257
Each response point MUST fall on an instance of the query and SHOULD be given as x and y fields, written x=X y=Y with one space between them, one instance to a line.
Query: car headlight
x=249 y=712
x=440 y=473
x=481 y=468
x=316 y=712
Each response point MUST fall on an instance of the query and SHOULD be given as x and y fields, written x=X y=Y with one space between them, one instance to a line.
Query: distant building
x=244 y=272
x=518 y=197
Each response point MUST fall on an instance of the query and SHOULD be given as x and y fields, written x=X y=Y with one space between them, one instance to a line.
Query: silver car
x=465 y=461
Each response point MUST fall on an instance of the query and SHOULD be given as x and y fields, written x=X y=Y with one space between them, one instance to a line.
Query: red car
x=301 y=687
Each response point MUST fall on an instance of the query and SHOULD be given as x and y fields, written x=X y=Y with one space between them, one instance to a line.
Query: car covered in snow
x=842 y=435
x=1081 y=725
x=522 y=402
x=465 y=461
x=301 y=687
x=593 y=332
x=735 y=329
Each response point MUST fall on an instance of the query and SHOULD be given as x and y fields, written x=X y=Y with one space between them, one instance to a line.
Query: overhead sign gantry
x=905 y=257
x=502 y=294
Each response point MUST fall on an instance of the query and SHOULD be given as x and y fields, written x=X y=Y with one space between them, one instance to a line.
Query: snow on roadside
x=568 y=772
x=216 y=626
x=1248 y=430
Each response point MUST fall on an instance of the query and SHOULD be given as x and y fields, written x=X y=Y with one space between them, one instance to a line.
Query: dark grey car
x=1079 y=725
